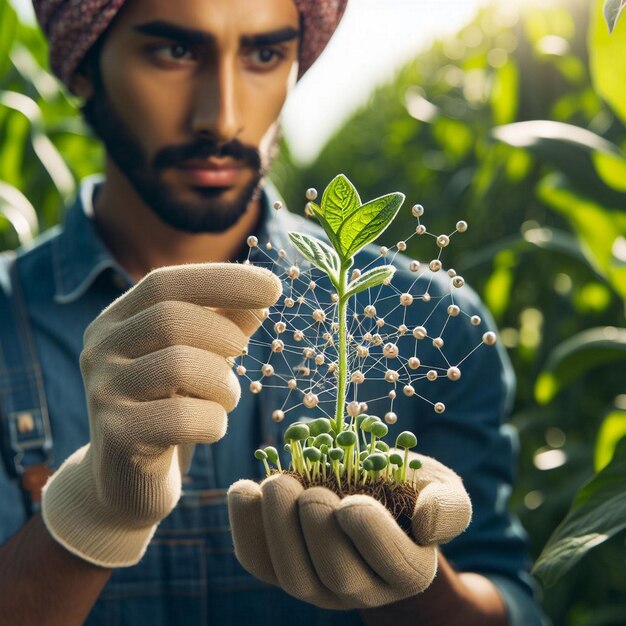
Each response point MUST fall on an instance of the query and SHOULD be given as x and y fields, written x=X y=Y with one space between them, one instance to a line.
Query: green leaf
x=607 y=58
x=597 y=513
x=319 y=214
x=612 y=11
x=588 y=160
x=612 y=431
x=318 y=253
x=8 y=23
x=599 y=230
x=578 y=355
x=371 y=278
x=339 y=201
x=366 y=224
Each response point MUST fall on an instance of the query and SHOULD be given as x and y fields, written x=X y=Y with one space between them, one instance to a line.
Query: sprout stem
x=342 y=365
x=268 y=471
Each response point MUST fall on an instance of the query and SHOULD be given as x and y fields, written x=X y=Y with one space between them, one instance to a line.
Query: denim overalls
x=189 y=574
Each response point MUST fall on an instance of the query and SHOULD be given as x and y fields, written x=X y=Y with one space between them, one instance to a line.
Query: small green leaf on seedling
x=396 y=459
x=379 y=429
x=406 y=440
x=324 y=449
x=375 y=462
x=363 y=455
x=368 y=422
x=336 y=454
x=296 y=432
x=346 y=439
x=382 y=446
x=319 y=426
x=312 y=454
x=370 y=279
x=415 y=464
x=317 y=252
x=360 y=418
x=323 y=439
x=272 y=454
x=260 y=455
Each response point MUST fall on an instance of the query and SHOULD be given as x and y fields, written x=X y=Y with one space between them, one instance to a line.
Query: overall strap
x=25 y=433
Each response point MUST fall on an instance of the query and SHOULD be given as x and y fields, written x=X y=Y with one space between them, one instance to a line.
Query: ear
x=82 y=85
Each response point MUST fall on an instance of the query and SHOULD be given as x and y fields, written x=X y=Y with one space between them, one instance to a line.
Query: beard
x=204 y=209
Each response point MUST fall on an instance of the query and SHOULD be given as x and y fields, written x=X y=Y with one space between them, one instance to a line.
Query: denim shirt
x=189 y=574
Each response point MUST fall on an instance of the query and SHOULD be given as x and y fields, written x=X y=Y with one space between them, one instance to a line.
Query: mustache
x=205 y=148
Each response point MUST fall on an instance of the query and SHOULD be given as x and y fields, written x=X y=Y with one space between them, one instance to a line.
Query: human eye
x=174 y=53
x=264 y=58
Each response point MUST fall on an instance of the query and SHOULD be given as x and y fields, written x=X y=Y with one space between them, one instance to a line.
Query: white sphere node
x=414 y=363
x=280 y=327
x=489 y=338
x=377 y=340
x=278 y=415
x=292 y=383
x=310 y=400
x=421 y=229
x=431 y=375
x=435 y=265
x=438 y=342
x=311 y=194
x=443 y=241
x=440 y=407
x=391 y=376
x=461 y=226
x=253 y=242
x=403 y=329
x=406 y=299
x=454 y=373
x=419 y=332
x=355 y=274
x=383 y=251
x=298 y=335
x=458 y=281
x=392 y=394
x=391 y=417
x=362 y=352
x=390 y=350
x=256 y=387
x=370 y=311
x=358 y=377
x=319 y=315
x=475 y=320
x=417 y=210
x=409 y=390
x=319 y=359
x=353 y=408
x=294 y=272
x=241 y=370
x=426 y=297
x=380 y=322
x=308 y=353
x=277 y=345
x=453 y=310
x=401 y=245
x=278 y=205
x=267 y=370
x=451 y=273
x=415 y=266
x=289 y=303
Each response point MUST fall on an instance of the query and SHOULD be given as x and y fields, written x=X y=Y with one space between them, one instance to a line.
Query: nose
x=216 y=108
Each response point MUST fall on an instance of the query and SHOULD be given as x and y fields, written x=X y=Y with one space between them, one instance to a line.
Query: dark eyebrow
x=174 y=32
x=267 y=39
x=182 y=34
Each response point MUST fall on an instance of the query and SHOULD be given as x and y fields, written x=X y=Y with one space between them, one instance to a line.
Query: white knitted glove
x=345 y=553
x=158 y=381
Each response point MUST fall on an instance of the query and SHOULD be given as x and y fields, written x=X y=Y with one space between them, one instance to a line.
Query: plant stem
x=342 y=364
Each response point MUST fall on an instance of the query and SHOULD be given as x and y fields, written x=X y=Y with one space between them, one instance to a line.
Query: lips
x=211 y=172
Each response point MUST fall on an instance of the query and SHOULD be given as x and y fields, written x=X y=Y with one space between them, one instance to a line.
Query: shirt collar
x=80 y=256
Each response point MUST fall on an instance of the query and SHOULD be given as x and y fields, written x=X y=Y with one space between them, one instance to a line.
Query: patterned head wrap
x=73 y=26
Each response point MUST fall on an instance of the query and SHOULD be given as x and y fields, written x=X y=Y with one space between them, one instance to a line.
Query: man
x=186 y=98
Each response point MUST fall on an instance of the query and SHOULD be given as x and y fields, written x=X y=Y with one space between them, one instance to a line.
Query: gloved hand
x=345 y=553
x=158 y=381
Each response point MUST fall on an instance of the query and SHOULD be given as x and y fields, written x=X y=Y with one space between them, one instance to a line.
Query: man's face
x=187 y=101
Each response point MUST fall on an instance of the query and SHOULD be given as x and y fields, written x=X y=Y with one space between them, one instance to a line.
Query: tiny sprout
x=415 y=464
x=261 y=455
x=396 y=459
x=297 y=432
x=312 y=454
x=375 y=462
x=382 y=446
x=287 y=447
x=319 y=426
x=323 y=440
x=363 y=455
x=368 y=422
x=406 y=440
x=378 y=429
x=272 y=457
x=346 y=439
x=336 y=454
x=324 y=449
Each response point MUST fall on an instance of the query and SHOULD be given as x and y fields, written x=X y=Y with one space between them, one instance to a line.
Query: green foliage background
x=456 y=130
